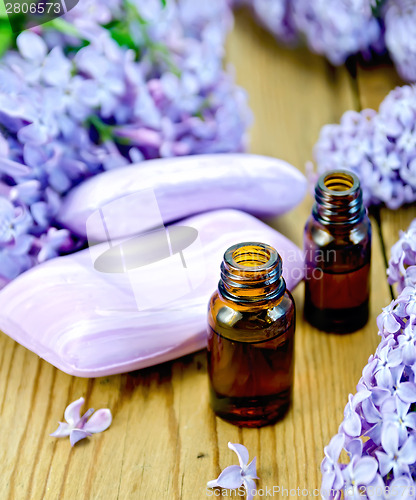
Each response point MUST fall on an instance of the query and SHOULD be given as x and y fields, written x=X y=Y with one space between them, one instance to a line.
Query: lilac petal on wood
x=78 y=434
x=63 y=430
x=250 y=470
x=230 y=478
x=250 y=486
x=99 y=421
x=88 y=323
x=185 y=186
x=241 y=451
x=73 y=411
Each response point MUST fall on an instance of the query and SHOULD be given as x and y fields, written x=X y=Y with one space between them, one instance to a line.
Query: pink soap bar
x=89 y=317
x=183 y=186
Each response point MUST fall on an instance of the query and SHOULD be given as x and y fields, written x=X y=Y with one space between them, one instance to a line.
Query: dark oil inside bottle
x=251 y=382
x=338 y=302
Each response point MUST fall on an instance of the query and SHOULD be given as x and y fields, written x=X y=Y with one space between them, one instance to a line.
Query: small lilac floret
x=77 y=427
x=234 y=476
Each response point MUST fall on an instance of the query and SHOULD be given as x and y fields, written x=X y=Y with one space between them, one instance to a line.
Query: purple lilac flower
x=351 y=425
x=402 y=266
x=399 y=416
x=407 y=340
x=388 y=359
x=77 y=427
x=400 y=36
x=394 y=457
x=234 y=476
x=337 y=28
x=276 y=16
x=387 y=321
x=379 y=427
x=373 y=420
x=66 y=115
x=358 y=473
x=332 y=475
x=378 y=147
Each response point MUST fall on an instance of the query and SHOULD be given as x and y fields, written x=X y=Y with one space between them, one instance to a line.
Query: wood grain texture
x=164 y=442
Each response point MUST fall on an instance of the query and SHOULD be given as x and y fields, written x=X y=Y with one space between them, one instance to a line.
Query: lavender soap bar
x=89 y=319
x=184 y=186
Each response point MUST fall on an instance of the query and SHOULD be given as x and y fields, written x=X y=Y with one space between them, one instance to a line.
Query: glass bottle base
x=251 y=411
x=337 y=320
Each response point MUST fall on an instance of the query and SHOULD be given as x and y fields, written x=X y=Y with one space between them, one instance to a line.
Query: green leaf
x=63 y=26
x=104 y=131
x=6 y=36
x=3 y=14
x=163 y=3
x=376 y=8
x=121 y=35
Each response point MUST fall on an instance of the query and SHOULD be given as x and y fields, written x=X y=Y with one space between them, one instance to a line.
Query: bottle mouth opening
x=251 y=256
x=339 y=182
x=251 y=272
x=338 y=198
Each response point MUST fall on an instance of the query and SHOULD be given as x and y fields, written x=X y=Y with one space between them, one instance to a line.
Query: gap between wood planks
x=374 y=212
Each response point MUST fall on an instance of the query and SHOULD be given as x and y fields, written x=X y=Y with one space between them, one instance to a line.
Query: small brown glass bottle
x=337 y=245
x=251 y=326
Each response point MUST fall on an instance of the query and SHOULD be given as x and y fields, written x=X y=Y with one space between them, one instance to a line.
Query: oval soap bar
x=182 y=187
x=90 y=316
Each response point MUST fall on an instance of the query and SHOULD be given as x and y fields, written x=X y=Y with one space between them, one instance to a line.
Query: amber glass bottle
x=337 y=245
x=251 y=326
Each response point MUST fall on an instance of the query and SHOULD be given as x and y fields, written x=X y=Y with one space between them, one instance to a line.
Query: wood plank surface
x=164 y=442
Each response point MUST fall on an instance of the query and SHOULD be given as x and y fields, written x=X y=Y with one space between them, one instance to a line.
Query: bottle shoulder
x=335 y=234
x=251 y=322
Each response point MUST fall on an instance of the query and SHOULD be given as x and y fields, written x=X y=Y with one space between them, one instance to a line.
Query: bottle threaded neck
x=251 y=272
x=338 y=198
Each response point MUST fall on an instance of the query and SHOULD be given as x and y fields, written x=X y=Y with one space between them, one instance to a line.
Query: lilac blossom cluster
x=274 y=15
x=105 y=86
x=378 y=432
x=379 y=147
x=402 y=263
x=333 y=28
x=338 y=29
x=400 y=36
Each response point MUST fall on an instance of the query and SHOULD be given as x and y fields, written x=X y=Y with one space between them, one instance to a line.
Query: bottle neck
x=338 y=199
x=251 y=272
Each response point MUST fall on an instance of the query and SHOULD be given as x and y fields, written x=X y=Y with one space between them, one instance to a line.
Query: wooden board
x=165 y=442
